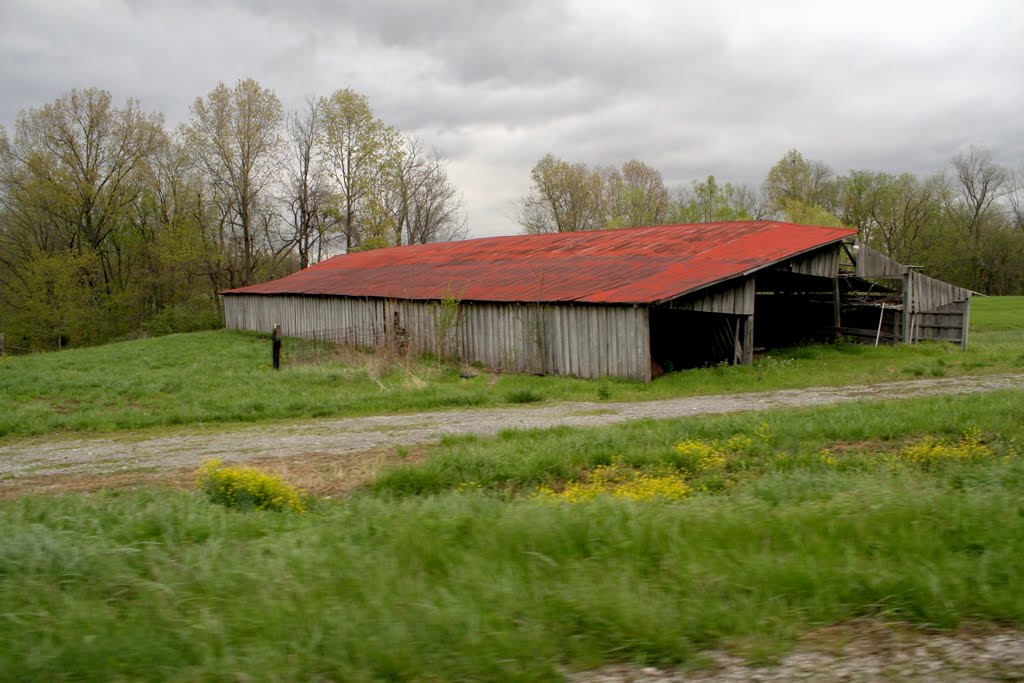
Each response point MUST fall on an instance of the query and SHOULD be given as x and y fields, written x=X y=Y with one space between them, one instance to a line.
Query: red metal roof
x=635 y=265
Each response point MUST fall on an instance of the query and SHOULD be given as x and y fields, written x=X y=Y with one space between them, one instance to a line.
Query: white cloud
x=692 y=88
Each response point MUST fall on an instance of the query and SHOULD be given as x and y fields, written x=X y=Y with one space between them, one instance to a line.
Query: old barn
x=625 y=303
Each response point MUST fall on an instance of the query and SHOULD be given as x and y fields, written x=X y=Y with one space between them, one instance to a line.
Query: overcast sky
x=691 y=87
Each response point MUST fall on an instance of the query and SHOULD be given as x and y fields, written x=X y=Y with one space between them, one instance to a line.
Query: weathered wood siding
x=871 y=263
x=932 y=309
x=821 y=263
x=928 y=294
x=562 y=339
x=735 y=297
x=946 y=323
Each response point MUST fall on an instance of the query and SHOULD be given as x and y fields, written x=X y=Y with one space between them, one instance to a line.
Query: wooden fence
x=931 y=309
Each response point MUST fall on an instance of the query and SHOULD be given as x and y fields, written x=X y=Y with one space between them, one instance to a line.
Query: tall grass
x=162 y=586
x=222 y=377
x=487 y=583
x=518 y=459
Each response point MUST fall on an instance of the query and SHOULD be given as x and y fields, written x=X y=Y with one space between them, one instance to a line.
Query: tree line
x=112 y=225
x=963 y=224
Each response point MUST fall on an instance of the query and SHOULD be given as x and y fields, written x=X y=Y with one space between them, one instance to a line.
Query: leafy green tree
x=795 y=183
x=180 y=263
x=71 y=180
x=636 y=195
x=360 y=150
x=71 y=174
x=234 y=136
x=708 y=202
x=569 y=197
x=54 y=302
x=563 y=197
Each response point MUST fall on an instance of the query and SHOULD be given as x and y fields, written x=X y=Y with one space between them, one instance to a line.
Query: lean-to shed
x=621 y=303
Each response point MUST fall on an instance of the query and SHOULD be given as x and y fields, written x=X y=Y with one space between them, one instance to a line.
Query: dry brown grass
x=322 y=474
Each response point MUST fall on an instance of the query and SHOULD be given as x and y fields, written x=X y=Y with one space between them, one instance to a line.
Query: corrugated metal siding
x=580 y=339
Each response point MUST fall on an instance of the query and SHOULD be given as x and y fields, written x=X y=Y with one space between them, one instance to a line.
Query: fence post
x=276 y=346
x=1 y=343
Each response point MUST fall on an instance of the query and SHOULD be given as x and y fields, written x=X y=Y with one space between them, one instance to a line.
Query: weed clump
x=523 y=396
x=247 y=487
x=620 y=481
x=701 y=456
x=933 y=452
x=698 y=456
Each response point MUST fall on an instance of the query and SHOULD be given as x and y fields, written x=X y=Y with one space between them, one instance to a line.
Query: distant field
x=997 y=314
x=211 y=378
x=459 y=569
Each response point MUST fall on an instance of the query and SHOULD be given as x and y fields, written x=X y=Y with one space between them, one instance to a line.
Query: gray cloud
x=692 y=88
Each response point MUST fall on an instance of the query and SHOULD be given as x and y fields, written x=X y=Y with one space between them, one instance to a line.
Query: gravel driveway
x=340 y=437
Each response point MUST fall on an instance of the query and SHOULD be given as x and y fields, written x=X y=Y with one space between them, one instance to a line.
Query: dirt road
x=339 y=439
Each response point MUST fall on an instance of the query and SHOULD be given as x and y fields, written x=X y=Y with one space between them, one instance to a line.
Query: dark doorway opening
x=691 y=339
x=786 y=319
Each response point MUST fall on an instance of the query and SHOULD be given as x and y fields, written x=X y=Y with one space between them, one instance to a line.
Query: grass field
x=456 y=569
x=523 y=556
x=212 y=378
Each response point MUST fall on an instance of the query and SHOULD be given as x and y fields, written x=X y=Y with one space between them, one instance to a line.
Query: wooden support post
x=908 y=305
x=743 y=340
x=276 y=346
x=1 y=343
x=748 y=340
x=737 y=343
x=881 y=316
x=963 y=332
x=836 y=306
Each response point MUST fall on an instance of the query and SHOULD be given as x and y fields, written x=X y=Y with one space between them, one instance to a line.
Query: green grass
x=211 y=378
x=518 y=460
x=997 y=314
x=414 y=579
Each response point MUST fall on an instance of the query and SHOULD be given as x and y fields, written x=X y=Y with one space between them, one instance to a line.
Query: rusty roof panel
x=635 y=265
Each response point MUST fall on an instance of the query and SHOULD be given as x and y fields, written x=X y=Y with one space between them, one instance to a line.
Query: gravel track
x=349 y=436
x=861 y=652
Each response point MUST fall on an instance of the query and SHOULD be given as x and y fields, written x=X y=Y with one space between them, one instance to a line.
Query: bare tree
x=1015 y=198
x=234 y=135
x=978 y=185
x=426 y=205
x=307 y=191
